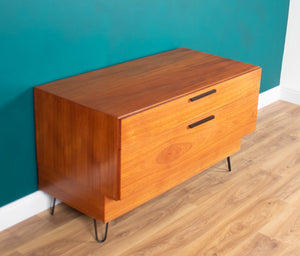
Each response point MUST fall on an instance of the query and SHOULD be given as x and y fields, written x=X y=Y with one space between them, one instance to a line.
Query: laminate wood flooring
x=254 y=210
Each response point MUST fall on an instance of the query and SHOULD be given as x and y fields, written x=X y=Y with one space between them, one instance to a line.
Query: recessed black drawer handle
x=202 y=121
x=203 y=95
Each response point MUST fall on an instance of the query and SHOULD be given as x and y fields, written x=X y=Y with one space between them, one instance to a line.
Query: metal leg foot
x=229 y=164
x=96 y=232
x=53 y=206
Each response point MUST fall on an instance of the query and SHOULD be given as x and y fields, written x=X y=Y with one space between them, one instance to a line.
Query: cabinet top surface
x=131 y=87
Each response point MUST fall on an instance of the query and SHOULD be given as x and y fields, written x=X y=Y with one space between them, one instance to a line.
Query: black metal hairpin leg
x=229 y=164
x=96 y=232
x=53 y=206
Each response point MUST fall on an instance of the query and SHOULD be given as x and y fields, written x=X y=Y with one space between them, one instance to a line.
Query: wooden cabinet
x=110 y=140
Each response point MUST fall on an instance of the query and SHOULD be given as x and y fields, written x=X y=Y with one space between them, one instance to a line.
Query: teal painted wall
x=45 y=40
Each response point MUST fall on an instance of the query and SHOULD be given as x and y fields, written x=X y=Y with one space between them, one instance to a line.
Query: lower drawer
x=219 y=151
x=170 y=157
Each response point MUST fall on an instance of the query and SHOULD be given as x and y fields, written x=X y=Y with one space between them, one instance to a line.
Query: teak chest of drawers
x=109 y=140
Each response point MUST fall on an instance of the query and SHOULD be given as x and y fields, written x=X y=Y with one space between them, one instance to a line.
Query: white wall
x=290 y=73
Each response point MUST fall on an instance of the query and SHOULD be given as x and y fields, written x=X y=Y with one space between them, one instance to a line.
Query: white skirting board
x=290 y=95
x=39 y=201
x=24 y=208
x=268 y=97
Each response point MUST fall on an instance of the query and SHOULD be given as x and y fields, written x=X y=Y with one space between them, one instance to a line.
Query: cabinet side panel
x=77 y=144
x=71 y=192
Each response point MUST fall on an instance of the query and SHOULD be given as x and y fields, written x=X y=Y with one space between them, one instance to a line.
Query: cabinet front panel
x=167 y=156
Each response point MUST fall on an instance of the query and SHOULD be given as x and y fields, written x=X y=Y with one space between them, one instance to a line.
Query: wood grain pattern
x=182 y=109
x=131 y=87
x=122 y=133
x=76 y=143
x=145 y=189
x=171 y=155
x=254 y=210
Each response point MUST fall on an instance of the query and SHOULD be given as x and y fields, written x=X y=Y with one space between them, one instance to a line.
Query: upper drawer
x=179 y=111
